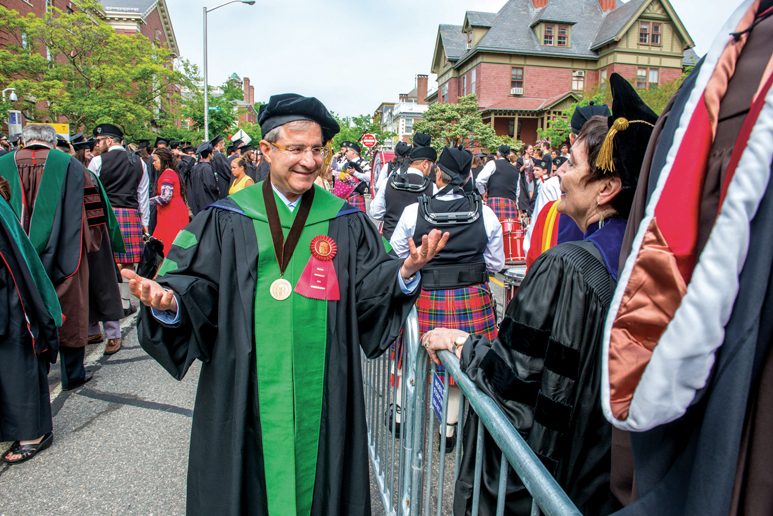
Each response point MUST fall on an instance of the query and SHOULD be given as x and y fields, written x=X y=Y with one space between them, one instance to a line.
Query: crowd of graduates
x=635 y=358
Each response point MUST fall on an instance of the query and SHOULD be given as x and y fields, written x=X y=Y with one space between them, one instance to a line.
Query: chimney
x=607 y=5
x=421 y=88
x=403 y=97
x=252 y=95
x=539 y=4
x=246 y=85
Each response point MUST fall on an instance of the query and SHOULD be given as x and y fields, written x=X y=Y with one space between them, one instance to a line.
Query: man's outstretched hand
x=431 y=245
x=149 y=292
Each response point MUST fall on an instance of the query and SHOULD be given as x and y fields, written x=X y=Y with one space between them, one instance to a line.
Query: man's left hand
x=431 y=245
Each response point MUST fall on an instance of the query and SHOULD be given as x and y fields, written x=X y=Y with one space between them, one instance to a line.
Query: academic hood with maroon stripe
x=672 y=304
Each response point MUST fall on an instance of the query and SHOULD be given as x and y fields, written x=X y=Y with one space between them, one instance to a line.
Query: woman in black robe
x=29 y=317
x=544 y=366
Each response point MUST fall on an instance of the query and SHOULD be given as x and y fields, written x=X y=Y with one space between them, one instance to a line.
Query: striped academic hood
x=668 y=316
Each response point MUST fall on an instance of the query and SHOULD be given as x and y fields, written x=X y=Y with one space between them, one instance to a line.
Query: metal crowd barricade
x=413 y=474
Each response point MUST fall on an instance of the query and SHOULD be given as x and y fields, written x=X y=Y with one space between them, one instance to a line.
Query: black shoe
x=450 y=441
x=79 y=383
x=390 y=417
x=128 y=311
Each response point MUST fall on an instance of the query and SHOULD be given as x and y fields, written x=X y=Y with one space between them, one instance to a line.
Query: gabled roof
x=512 y=30
x=690 y=58
x=620 y=20
x=615 y=21
x=478 y=19
x=453 y=40
x=530 y=103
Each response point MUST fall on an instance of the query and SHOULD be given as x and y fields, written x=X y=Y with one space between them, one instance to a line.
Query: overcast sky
x=351 y=54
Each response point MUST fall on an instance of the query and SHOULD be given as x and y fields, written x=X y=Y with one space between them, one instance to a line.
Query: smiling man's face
x=294 y=174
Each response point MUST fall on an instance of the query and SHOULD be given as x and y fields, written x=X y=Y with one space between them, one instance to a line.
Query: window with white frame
x=516 y=82
x=464 y=85
x=647 y=77
x=578 y=80
x=473 y=78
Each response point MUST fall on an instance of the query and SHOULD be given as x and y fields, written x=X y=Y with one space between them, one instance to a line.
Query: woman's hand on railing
x=440 y=339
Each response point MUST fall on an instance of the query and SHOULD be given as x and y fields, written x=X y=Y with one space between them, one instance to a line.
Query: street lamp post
x=206 y=78
x=12 y=97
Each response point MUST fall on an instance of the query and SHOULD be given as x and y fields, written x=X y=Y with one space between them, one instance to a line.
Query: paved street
x=120 y=442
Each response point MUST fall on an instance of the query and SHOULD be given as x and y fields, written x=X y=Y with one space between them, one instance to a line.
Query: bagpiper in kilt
x=455 y=292
x=503 y=208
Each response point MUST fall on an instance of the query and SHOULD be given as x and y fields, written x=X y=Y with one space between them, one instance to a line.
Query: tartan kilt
x=131 y=230
x=358 y=201
x=503 y=208
x=469 y=309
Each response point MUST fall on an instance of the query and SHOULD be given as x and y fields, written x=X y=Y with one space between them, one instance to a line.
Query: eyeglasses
x=317 y=151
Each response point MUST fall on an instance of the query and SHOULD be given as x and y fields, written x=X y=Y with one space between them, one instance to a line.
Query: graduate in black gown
x=29 y=318
x=544 y=367
x=279 y=422
x=203 y=186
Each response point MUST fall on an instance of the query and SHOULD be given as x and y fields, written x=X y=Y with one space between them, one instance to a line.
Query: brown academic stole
x=49 y=193
x=290 y=349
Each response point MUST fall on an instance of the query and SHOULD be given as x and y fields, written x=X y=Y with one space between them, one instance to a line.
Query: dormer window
x=548 y=39
x=469 y=39
x=555 y=35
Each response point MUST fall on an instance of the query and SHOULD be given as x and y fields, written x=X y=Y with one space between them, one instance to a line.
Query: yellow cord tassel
x=605 y=160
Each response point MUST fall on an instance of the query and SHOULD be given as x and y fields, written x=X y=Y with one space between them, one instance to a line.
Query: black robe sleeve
x=194 y=279
x=380 y=304
x=543 y=369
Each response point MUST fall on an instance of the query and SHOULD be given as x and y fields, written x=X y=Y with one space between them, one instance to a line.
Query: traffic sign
x=368 y=140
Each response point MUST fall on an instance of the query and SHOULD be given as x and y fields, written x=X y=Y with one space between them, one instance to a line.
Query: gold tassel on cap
x=605 y=160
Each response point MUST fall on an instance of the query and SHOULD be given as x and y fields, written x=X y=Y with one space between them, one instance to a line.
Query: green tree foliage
x=75 y=66
x=460 y=124
x=352 y=129
x=222 y=109
x=656 y=97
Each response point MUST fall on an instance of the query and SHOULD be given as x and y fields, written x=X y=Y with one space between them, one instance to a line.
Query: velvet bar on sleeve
x=543 y=370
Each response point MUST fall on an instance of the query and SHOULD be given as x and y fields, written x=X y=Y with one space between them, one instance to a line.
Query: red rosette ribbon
x=319 y=279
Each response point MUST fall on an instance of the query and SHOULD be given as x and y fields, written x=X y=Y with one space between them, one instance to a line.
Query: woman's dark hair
x=5 y=189
x=166 y=158
x=80 y=155
x=476 y=162
x=593 y=134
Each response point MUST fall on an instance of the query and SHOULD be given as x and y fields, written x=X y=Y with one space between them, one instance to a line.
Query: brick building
x=246 y=108
x=534 y=58
x=399 y=117
x=147 y=17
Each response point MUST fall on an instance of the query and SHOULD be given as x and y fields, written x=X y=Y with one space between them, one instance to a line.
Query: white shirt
x=143 y=189
x=494 y=254
x=378 y=206
x=549 y=191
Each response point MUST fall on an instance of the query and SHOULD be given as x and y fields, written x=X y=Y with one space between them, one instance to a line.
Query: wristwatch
x=460 y=340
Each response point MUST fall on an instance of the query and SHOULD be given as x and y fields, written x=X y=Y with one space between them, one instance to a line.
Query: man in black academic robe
x=213 y=273
x=203 y=187
x=221 y=166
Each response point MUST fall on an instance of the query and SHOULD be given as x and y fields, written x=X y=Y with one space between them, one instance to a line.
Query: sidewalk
x=120 y=442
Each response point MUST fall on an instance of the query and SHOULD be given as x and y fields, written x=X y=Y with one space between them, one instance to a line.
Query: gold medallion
x=281 y=289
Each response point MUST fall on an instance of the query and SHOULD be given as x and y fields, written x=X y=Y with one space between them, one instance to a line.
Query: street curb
x=95 y=355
